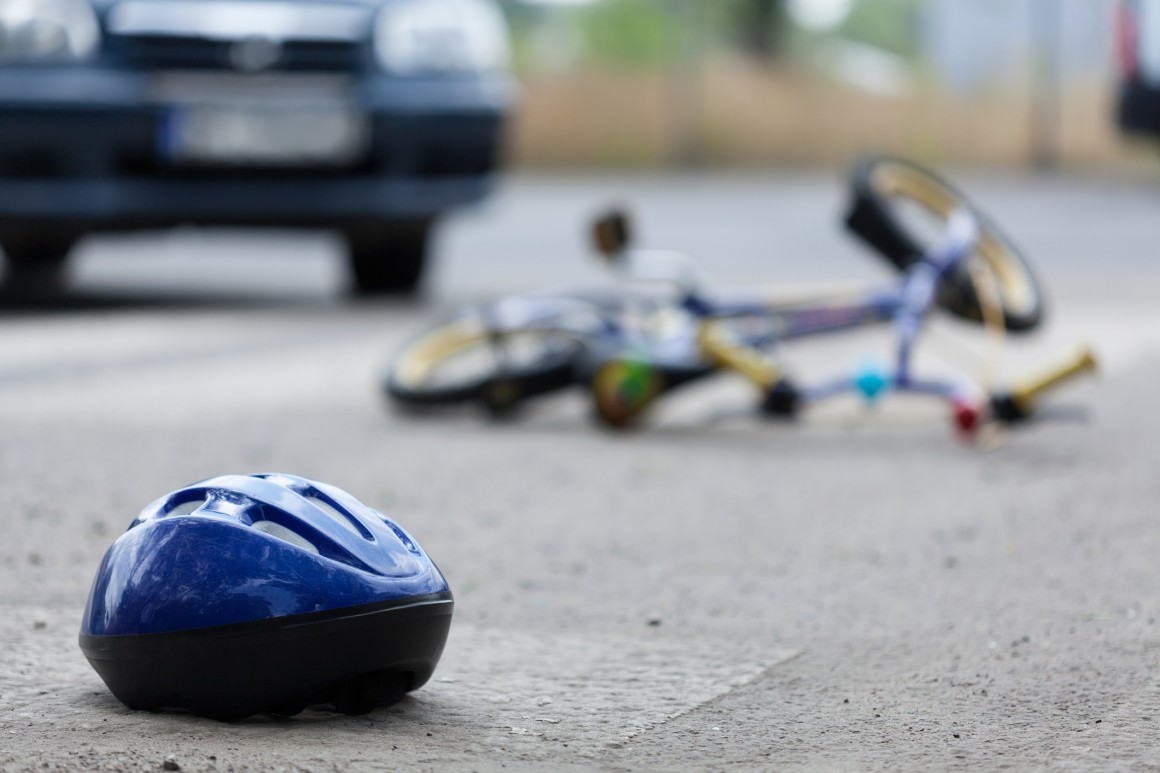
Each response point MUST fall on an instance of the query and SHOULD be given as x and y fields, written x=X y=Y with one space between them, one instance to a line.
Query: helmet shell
x=208 y=554
x=292 y=574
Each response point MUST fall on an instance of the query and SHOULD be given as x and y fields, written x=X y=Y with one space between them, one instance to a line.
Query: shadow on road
x=18 y=303
x=182 y=269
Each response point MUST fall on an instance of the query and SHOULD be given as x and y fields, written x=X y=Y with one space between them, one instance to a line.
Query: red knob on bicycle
x=968 y=415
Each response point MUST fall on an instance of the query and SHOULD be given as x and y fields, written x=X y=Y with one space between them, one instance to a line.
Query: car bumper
x=84 y=145
x=1139 y=109
x=136 y=202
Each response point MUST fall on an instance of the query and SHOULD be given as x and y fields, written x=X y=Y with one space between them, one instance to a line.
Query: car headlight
x=47 y=30
x=430 y=36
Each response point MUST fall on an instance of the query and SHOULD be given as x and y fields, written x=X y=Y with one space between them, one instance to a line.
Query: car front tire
x=388 y=258
x=35 y=262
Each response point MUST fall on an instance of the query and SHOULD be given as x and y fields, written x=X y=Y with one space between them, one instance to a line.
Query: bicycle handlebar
x=1019 y=402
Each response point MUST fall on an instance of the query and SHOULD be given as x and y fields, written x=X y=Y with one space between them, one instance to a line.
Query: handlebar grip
x=725 y=350
x=1019 y=403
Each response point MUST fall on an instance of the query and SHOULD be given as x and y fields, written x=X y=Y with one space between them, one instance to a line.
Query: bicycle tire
x=409 y=383
x=881 y=185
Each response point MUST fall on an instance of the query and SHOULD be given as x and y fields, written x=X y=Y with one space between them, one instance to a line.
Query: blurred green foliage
x=623 y=33
x=893 y=25
x=630 y=33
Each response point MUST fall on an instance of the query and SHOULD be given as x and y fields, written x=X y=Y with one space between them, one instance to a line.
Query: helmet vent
x=281 y=532
x=185 y=508
x=335 y=515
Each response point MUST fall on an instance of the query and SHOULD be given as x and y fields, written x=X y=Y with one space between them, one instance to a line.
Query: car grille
x=168 y=52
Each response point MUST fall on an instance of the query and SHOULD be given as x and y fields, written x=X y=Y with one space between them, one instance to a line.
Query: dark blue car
x=369 y=116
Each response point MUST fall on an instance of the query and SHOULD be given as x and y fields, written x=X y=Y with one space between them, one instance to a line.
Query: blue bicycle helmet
x=245 y=594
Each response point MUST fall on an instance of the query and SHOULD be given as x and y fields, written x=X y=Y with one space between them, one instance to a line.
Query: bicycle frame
x=626 y=364
x=905 y=305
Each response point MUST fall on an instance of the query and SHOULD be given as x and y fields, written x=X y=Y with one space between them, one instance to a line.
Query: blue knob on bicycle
x=871 y=381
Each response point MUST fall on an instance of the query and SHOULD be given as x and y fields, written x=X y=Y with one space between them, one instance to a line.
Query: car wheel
x=35 y=263
x=388 y=258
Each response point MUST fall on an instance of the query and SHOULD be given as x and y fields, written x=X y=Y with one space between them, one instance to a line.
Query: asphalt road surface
x=856 y=591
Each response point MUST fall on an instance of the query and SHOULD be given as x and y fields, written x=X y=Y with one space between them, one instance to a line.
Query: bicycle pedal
x=1005 y=408
x=783 y=400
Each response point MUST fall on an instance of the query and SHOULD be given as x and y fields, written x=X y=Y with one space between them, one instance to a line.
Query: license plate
x=264 y=134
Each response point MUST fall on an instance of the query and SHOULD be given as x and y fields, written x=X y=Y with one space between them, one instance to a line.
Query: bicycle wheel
x=469 y=360
x=899 y=207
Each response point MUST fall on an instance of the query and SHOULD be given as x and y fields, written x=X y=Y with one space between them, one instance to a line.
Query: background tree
x=762 y=25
